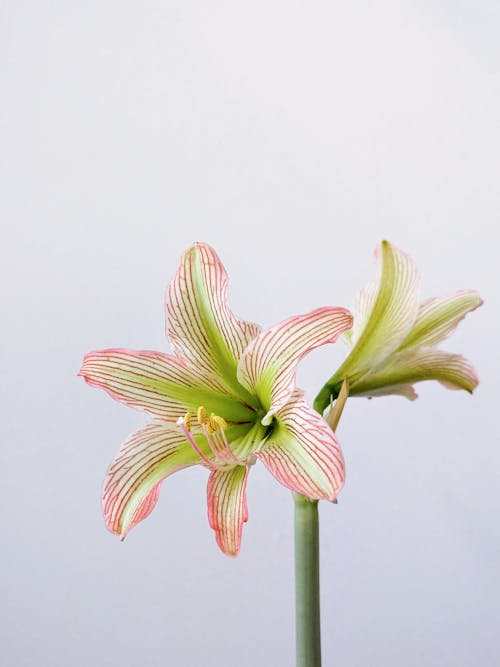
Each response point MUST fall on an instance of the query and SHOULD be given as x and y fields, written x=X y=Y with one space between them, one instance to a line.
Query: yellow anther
x=201 y=415
x=187 y=421
x=219 y=422
x=215 y=423
x=211 y=424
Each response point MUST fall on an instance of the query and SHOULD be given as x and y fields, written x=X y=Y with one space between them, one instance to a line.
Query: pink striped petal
x=145 y=508
x=303 y=453
x=269 y=364
x=227 y=506
x=416 y=365
x=133 y=481
x=159 y=384
x=437 y=318
x=200 y=324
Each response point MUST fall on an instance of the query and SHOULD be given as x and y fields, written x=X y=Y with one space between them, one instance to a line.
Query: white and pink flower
x=225 y=399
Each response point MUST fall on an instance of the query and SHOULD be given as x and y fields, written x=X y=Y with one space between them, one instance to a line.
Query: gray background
x=292 y=136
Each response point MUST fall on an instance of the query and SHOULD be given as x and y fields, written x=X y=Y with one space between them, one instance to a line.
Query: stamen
x=201 y=414
x=210 y=424
x=194 y=444
x=213 y=428
x=207 y=435
x=227 y=448
x=217 y=422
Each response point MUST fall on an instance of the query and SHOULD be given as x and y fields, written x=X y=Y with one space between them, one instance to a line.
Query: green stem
x=307 y=612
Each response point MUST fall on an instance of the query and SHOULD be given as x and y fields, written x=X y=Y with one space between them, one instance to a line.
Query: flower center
x=211 y=429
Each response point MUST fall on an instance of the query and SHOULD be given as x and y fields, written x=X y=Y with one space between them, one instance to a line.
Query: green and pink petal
x=227 y=506
x=303 y=453
x=200 y=325
x=269 y=364
x=160 y=384
x=133 y=481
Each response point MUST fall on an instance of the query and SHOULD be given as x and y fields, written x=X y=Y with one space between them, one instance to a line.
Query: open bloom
x=224 y=399
x=394 y=339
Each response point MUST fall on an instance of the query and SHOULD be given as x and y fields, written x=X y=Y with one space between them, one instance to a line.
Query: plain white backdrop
x=292 y=136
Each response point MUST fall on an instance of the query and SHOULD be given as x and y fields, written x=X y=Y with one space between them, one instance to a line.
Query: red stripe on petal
x=200 y=325
x=133 y=481
x=146 y=507
x=303 y=453
x=227 y=507
x=268 y=366
x=160 y=384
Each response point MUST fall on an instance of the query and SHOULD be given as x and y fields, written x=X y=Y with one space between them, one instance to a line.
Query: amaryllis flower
x=394 y=338
x=224 y=399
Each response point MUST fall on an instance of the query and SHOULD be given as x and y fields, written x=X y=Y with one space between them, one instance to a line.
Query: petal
x=145 y=508
x=416 y=365
x=405 y=390
x=133 y=481
x=438 y=317
x=159 y=384
x=200 y=324
x=387 y=306
x=269 y=364
x=303 y=453
x=227 y=506
x=384 y=312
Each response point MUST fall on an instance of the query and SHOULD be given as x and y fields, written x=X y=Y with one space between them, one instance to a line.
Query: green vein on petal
x=159 y=384
x=438 y=317
x=384 y=312
x=200 y=324
x=416 y=365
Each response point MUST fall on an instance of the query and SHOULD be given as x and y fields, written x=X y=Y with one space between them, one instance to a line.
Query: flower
x=225 y=399
x=393 y=338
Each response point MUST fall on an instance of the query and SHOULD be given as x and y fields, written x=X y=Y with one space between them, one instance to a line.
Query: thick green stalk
x=307 y=611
